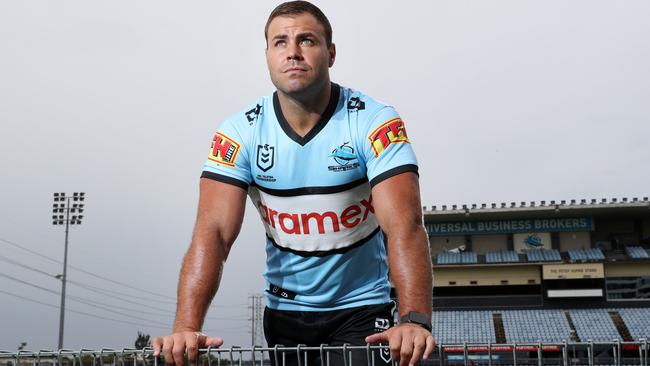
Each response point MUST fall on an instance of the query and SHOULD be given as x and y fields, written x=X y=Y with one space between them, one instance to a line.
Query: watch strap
x=420 y=319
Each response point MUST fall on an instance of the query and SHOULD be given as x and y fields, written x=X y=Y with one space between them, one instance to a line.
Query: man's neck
x=303 y=112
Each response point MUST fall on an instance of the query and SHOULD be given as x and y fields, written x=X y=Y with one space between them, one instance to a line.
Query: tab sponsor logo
x=389 y=132
x=316 y=222
x=224 y=150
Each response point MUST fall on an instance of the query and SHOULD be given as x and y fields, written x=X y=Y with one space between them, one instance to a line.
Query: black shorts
x=334 y=328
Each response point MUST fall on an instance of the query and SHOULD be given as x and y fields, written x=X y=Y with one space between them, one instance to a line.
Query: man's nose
x=294 y=52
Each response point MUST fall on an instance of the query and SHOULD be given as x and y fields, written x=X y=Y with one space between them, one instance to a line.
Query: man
x=329 y=169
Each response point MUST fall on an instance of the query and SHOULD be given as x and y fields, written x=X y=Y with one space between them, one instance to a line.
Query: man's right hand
x=173 y=346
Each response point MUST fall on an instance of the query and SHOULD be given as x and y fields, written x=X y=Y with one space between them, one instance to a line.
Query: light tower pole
x=61 y=210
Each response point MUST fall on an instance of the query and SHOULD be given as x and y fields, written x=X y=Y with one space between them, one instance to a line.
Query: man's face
x=297 y=54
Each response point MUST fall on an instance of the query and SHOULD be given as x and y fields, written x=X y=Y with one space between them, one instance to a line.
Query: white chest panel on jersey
x=317 y=222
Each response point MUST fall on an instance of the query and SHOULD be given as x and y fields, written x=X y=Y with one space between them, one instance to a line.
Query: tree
x=143 y=340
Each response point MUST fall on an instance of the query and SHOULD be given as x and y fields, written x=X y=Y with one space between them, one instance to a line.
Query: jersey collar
x=322 y=122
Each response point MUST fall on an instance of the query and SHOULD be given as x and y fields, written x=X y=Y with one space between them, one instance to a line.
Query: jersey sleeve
x=228 y=156
x=386 y=147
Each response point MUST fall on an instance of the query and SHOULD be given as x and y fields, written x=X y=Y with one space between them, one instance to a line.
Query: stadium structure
x=550 y=272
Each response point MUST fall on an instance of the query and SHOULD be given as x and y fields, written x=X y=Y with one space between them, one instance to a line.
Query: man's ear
x=332 y=51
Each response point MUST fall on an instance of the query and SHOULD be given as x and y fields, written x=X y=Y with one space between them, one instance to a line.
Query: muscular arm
x=398 y=210
x=219 y=218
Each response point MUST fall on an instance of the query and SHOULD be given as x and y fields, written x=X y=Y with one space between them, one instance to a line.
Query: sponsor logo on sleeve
x=389 y=132
x=224 y=150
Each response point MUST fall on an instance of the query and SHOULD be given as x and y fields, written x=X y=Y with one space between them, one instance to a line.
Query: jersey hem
x=393 y=172
x=276 y=305
x=225 y=179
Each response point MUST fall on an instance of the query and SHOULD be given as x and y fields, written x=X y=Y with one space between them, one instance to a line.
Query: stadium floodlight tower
x=61 y=209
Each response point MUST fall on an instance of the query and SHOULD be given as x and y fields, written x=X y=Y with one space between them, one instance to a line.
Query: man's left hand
x=408 y=343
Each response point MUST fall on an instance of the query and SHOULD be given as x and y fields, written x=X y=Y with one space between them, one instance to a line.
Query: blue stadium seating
x=637 y=321
x=535 y=326
x=637 y=252
x=543 y=255
x=456 y=327
x=457 y=258
x=594 y=324
x=591 y=254
x=502 y=256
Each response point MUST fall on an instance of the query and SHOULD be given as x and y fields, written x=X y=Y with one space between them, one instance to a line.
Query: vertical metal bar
x=514 y=353
x=65 y=275
x=275 y=356
x=464 y=353
x=440 y=354
x=565 y=353
x=322 y=354
x=590 y=352
x=298 y=352
x=539 y=353
x=345 y=354
x=368 y=354
x=209 y=355
x=489 y=352
x=619 y=355
x=645 y=351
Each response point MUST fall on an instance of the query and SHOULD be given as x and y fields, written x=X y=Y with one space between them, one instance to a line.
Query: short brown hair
x=300 y=7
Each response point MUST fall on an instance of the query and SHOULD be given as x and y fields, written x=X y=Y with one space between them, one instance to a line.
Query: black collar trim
x=322 y=122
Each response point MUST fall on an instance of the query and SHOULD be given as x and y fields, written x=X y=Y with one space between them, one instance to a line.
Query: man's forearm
x=410 y=270
x=198 y=283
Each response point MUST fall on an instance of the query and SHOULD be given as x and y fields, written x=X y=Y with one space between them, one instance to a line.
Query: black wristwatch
x=420 y=319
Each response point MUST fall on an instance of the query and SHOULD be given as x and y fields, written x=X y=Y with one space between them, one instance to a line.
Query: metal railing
x=614 y=353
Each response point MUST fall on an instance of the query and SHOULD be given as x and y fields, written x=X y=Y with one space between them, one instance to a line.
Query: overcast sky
x=503 y=101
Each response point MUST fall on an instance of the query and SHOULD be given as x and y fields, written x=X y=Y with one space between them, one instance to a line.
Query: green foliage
x=143 y=340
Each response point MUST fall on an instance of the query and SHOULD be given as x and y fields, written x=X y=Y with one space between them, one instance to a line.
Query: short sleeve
x=228 y=158
x=386 y=147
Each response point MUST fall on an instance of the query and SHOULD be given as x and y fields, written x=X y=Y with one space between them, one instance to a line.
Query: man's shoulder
x=358 y=101
x=250 y=115
x=367 y=108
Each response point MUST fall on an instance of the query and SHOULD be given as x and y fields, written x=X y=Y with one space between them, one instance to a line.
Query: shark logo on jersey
x=345 y=157
x=265 y=157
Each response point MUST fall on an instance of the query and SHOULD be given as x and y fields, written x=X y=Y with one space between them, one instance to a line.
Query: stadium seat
x=637 y=252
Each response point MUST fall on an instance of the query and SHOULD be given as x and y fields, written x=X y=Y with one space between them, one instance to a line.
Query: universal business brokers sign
x=449 y=228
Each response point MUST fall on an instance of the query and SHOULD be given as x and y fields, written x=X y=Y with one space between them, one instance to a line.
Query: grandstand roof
x=540 y=209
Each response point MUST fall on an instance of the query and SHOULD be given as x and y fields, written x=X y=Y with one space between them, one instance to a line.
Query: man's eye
x=280 y=43
x=307 y=42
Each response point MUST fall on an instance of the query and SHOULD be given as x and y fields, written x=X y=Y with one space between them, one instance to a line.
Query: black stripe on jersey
x=392 y=172
x=310 y=190
x=325 y=253
x=225 y=179
x=324 y=118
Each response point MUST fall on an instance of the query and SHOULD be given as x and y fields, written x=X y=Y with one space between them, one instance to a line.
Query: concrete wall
x=485 y=276
x=443 y=243
x=482 y=244
x=577 y=240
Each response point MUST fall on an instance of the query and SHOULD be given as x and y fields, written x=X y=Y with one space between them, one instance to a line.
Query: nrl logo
x=265 y=157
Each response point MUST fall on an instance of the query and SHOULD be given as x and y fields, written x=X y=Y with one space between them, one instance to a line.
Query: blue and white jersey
x=325 y=250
